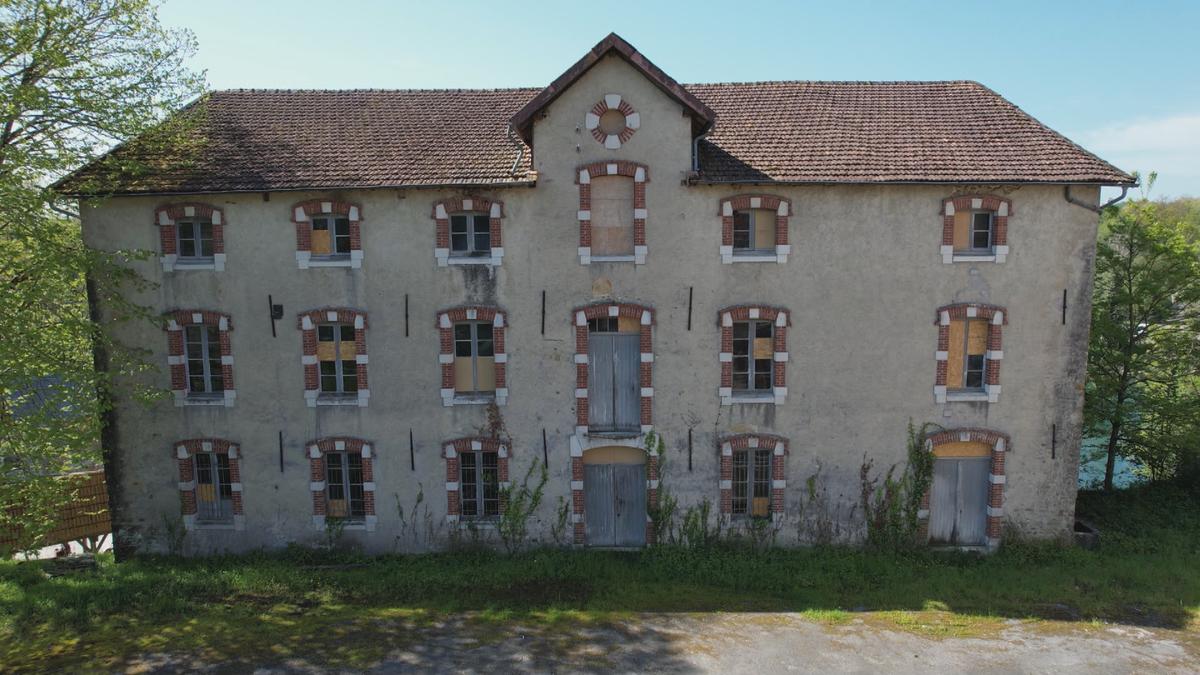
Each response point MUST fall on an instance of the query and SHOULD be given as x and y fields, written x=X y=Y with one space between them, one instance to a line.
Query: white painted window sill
x=330 y=399
x=186 y=264
x=755 y=256
x=766 y=397
x=214 y=526
x=479 y=522
x=966 y=396
x=205 y=400
x=472 y=260
x=970 y=256
x=473 y=400
x=346 y=261
x=613 y=258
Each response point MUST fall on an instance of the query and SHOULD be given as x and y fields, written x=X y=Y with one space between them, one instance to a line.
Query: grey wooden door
x=614 y=397
x=615 y=504
x=958 y=501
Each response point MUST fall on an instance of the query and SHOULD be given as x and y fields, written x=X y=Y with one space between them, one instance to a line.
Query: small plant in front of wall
x=518 y=504
x=890 y=504
x=414 y=521
x=559 y=530
x=334 y=527
x=662 y=514
x=175 y=533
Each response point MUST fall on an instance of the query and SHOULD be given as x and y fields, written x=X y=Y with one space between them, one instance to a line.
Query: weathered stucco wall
x=863 y=281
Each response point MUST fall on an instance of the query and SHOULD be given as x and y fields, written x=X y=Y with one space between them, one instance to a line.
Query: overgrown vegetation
x=1143 y=391
x=890 y=504
x=345 y=608
x=76 y=77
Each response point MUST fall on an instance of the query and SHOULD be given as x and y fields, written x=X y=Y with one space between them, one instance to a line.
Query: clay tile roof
x=880 y=132
x=787 y=132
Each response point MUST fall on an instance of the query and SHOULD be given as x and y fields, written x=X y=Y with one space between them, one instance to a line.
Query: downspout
x=696 y=153
x=1089 y=207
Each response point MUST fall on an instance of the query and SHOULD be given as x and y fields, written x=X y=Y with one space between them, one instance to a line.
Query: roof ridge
x=879 y=82
x=364 y=90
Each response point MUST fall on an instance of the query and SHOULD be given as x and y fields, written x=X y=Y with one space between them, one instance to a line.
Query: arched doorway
x=614 y=488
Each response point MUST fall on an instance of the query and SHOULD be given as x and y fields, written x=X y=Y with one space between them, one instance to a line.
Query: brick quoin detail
x=1001 y=208
x=302 y=214
x=479 y=314
x=452 y=450
x=316 y=451
x=443 y=209
x=750 y=442
x=1000 y=444
x=184 y=452
x=781 y=317
x=645 y=316
x=167 y=218
x=307 y=322
x=997 y=318
x=783 y=211
x=177 y=321
x=583 y=177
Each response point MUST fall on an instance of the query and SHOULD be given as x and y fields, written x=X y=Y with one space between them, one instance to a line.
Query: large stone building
x=374 y=294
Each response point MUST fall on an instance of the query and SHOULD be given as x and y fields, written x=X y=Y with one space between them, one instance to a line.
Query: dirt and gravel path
x=763 y=643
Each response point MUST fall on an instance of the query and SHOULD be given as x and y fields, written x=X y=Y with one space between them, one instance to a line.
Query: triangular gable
x=702 y=115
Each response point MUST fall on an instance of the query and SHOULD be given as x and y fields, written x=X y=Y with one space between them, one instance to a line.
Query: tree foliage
x=1144 y=355
x=76 y=78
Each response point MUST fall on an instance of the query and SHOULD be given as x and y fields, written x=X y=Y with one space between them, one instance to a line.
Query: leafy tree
x=1144 y=355
x=76 y=78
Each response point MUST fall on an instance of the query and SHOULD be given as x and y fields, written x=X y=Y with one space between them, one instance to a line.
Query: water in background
x=1092 y=459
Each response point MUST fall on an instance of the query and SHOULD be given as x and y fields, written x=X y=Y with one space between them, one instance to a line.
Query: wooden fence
x=86 y=519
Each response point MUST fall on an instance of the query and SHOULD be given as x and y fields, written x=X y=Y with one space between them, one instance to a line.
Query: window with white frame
x=194 y=239
x=330 y=236
x=754 y=231
x=336 y=356
x=474 y=359
x=214 y=488
x=202 y=347
x=479 y=483
x=752 y=483
x=470 y=235
x=345 y=498
x=753 y=357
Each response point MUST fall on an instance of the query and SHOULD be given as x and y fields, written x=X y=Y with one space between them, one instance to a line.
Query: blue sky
x=1120 y=78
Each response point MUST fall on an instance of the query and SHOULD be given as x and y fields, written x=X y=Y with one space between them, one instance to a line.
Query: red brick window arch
x=191 y=236
x=200 y=357
x=328 y=233
x=473 y=356
x=622 y=317
x=966 y=443
x=342 y=482
x=752 y=479
x=469 y=231
x=975 y=228
x=969 y=352
x=753 y=354
x=754 y=228
x=210 y=483
x=476 y=478
x=334 y=343
x=612 y=212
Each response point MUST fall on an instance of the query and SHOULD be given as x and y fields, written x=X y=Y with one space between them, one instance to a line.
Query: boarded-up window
x=967 y=357
x=474 y=358
x=752 y=483
x=330 y=235
x=973 y=231
x=612 y=215
x=754 y=230
x=753 y=356
x=337 y=358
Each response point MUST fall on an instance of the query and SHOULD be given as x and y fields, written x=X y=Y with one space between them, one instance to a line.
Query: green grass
x=349 y=610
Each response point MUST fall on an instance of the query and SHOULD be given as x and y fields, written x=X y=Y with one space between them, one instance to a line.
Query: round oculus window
x=612 y=121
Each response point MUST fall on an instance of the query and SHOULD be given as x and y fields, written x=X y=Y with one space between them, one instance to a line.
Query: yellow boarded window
x=474 y=358
x=754 y=230
x=963 y=449
x=337 y=358
x=612 y=215
x=973 y=230
x=967 y=355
